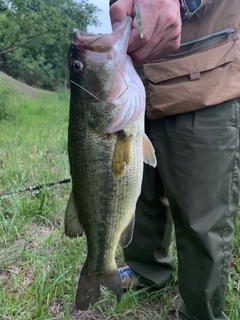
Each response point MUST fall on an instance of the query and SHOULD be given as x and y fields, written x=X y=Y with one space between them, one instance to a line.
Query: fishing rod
x=33 y=188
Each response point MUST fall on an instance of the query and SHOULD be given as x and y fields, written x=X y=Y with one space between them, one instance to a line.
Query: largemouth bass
x=107 y=147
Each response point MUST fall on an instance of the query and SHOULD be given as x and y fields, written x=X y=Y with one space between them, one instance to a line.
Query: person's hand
x=161 y=21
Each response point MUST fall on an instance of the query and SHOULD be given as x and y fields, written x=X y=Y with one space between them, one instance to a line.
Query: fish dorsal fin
x=73 y=227
x=121 y=153
x=148 y=152
x=127 y=234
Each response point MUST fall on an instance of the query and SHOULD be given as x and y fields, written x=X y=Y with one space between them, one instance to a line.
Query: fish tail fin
x=88 y=291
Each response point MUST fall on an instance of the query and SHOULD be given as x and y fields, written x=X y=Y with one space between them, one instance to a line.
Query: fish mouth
x=117 y=40
x=106 y=51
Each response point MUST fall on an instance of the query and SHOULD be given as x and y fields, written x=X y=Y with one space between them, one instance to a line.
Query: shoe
x=129 y=278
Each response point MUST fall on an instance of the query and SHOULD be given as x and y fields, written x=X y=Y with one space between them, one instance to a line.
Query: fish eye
x=77 y=66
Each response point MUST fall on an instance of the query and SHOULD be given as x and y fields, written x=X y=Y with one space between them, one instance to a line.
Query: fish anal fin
x=73 y=227
x=88 y=291
x=148 y=152
x=127 y=234
x=121 y=153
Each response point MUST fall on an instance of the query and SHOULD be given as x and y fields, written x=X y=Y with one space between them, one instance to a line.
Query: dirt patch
x=36 y=235
x=57 y=311
x=147 y=309
x=85 y=315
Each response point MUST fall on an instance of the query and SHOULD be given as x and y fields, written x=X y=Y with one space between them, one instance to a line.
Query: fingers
x=164 y=39
x=149 y=24
x=161 y=22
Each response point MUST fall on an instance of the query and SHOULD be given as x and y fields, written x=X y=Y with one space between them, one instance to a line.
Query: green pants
x=198 y=170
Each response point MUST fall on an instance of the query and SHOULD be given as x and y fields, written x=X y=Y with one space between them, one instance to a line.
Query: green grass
x=39 y=266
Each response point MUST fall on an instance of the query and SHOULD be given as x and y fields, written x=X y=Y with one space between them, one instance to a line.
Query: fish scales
x=106 y=146
x=92 y=174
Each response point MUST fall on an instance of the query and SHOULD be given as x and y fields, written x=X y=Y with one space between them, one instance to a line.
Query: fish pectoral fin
x=148 y=152
x=88 y=291
x=127 y=234
x=73 y=227
x=121 y=153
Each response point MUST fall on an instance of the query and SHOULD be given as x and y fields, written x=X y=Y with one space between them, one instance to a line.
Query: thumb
x=119 y=10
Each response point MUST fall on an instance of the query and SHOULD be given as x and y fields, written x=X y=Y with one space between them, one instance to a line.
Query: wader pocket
x=193 y=82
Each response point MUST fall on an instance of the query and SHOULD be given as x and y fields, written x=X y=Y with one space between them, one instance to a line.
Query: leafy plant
x=35 y=35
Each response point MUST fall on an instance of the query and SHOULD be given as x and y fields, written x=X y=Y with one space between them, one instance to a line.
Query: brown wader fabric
x=198 y=169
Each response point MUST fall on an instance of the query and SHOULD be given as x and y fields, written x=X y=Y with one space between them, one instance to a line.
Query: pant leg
x=148 y=253
x=198 y=158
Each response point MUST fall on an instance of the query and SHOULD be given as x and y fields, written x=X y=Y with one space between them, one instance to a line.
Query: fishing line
x=33 y=188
